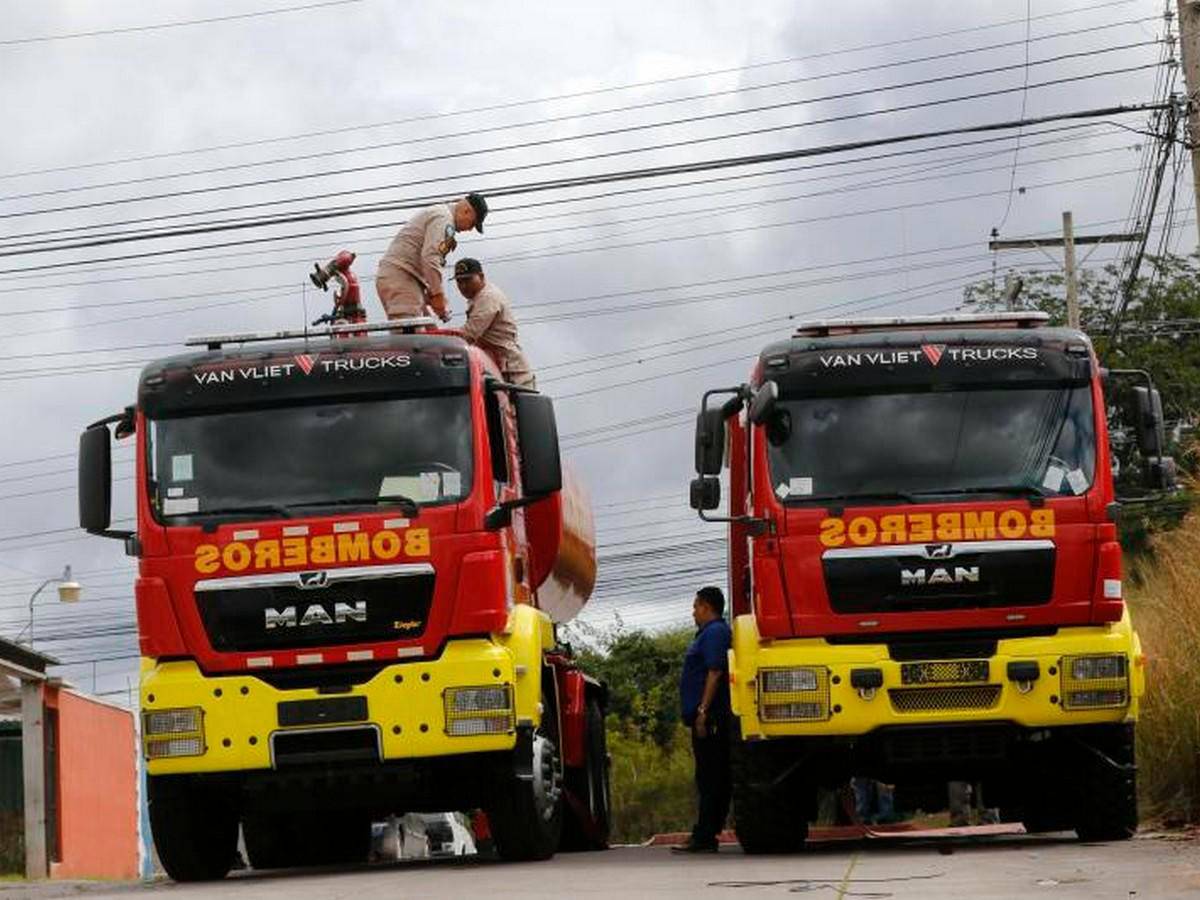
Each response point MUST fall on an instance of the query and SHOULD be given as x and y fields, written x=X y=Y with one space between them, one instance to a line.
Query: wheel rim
x=547 y=777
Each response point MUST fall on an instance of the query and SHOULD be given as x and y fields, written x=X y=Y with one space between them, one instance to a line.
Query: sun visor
x=857 y=368
x=273 y=376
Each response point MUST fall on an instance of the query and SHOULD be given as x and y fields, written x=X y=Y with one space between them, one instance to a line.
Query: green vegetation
x=651 y=752
x=1165 y=604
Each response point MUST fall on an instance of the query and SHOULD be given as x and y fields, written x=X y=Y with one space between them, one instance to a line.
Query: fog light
x=169 y=747
x=479 y=710
x=786 y=681
x=172 y=721
x=778 y=712
x=1095 y=699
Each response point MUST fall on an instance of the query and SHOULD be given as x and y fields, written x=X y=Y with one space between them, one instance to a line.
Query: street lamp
x=69 y=591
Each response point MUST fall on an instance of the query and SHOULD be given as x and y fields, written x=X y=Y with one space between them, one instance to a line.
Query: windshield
x=282 y=460
x=896 y=445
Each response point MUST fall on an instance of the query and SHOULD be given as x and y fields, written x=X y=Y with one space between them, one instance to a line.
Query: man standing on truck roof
x=704 y=692
x=410 y=273
x=490 y=322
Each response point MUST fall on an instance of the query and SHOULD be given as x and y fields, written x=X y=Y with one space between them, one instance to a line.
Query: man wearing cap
x=490 y=322
x=410 y=273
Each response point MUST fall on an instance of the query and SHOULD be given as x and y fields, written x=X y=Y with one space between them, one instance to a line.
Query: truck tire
x=768 y=817
x=526 y=816
x=195 y=828
x=592 y=788
x=1106 y=778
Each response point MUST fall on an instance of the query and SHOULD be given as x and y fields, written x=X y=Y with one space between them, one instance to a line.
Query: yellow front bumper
x=404 y=703
x=852 y=713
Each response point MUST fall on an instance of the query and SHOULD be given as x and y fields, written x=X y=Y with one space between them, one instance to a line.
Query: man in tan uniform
x=490 y=322
x=410 y=273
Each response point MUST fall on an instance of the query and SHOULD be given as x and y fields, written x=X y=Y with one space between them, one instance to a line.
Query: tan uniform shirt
x=420 y=247
x=491 y=325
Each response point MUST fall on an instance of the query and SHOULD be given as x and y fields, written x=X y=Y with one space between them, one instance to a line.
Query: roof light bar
x=827 y=327
x=407 y=326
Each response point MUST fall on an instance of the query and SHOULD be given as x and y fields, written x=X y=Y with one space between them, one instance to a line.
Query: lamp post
x=69 y=591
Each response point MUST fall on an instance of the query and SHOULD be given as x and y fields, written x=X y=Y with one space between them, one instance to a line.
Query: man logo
x=939 y=551
x=939 y=575
x=310 y=581
x=315 y=614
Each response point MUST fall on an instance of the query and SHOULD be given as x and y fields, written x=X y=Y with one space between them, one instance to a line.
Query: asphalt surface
x=876 y=869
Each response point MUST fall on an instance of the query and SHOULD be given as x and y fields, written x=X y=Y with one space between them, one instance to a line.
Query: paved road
x=1010 y=867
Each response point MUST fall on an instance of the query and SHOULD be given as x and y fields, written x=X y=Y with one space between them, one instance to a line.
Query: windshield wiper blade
x=410 y=506
x=254 y=509
x=864 y=497
x=1012 y=490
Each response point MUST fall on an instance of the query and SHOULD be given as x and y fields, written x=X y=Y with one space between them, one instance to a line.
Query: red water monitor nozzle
x=347 y=303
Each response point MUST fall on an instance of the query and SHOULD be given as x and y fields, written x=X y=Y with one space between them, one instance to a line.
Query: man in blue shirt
x=704 y=696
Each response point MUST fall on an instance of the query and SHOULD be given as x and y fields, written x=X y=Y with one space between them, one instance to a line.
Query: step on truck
x=925 y=572
x=353 y=547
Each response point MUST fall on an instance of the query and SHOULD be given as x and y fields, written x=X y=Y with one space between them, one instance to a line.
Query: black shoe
x=693 y=847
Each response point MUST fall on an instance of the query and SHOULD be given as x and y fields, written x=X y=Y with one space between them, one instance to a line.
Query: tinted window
x=934 y=441
x=418 y=447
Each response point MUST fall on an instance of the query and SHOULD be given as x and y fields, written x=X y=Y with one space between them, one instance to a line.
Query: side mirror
x=763 y=403
x=710 y=441
x=1162 y=474
x=537 y=432
x=95 y=479
x=1151 y=437
x=706 y=492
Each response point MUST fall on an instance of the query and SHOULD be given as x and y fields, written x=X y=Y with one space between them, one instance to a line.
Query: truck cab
x=353 y=548
x=925 y=573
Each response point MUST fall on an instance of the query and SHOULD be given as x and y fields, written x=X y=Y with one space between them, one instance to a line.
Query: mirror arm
x=756 y=525
x=500 y=515
x=491 y=384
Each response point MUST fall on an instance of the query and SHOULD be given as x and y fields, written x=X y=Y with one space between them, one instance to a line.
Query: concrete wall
x=98 y=804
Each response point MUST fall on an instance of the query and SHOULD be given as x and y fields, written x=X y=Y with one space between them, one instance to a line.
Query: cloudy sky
x=634 y=295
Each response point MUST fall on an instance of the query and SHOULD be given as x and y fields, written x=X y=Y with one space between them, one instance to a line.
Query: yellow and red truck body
x=928 y=630
x=355 y=655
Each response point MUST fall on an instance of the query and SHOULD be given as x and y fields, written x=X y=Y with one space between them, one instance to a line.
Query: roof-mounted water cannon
x=347 y=301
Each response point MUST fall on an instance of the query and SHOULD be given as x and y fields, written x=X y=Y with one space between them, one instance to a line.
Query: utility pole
x=1189 y=49
x=1069 y=270
x=1068 y=241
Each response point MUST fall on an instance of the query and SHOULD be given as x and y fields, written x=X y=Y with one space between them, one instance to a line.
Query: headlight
x=479 y=699
x=782 y=681
x=173 y=732
x=791 y=695
x=479 y=710
x=171 y=721
x=1089 y=668
x=1095 y=682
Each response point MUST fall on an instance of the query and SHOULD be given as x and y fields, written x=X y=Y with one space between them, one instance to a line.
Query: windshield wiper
x=255 y=509
x=865 y=497
x=409 y=506
x=1011 y=490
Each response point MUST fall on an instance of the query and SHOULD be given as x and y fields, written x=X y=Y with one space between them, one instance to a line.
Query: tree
x=642 y=672
x=1159 y=332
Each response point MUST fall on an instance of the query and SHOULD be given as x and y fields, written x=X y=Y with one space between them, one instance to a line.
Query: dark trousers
x=712 y=780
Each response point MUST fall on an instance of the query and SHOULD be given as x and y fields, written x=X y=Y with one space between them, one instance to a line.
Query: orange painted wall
x=98 y=789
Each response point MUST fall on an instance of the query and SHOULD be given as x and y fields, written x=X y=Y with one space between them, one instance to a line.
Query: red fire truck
x=924 y=572
x=353 y=546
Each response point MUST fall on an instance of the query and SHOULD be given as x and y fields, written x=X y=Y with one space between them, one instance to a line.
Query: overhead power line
x=159 y=26
x=476 y=132
x=624 y=175
x=525 y=145
x=587 y=93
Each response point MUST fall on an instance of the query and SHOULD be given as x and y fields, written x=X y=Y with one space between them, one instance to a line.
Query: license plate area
x=953 y=671
x=331 y=711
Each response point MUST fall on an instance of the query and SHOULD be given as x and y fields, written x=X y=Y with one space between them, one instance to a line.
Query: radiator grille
x=918 y=700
